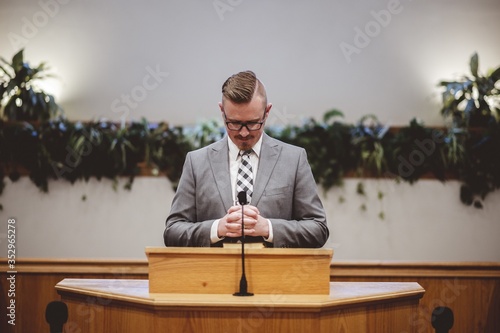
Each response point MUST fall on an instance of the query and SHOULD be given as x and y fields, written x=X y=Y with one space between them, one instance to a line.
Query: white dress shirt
x=234 y=162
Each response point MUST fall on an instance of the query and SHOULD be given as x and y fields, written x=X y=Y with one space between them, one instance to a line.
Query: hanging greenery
x=42 y=144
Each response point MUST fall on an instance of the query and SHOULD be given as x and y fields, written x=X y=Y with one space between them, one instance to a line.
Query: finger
x=233 y=234
x=234 y=217
x=233 y=227
x=249 y=232
x=233 y=209
x=250 y=224
x=252 y=208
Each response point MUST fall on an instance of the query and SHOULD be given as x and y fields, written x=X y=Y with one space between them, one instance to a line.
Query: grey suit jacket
x=284 y=192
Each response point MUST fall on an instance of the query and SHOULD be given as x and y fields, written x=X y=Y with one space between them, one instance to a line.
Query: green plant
x=472 y=101
x=55 y=148
x=167 y=148
x=473 y=104
x=417 y=150
x=71 y=151
x=369 y=137
x=480 y=173
x=328 y=145
x=24 y=100
x=370 y=141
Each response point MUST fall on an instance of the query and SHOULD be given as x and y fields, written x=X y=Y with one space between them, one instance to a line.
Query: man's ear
x=268 y=108
x=221 y=107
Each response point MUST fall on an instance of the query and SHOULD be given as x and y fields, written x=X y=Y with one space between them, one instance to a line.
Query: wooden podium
x=191 y=290
x=218 y=270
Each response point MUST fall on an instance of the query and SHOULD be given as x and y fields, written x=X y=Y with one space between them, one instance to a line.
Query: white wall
x=423 y=222
x=104 y=51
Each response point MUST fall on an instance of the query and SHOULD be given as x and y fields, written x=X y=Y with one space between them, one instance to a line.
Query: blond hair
x=240 y=88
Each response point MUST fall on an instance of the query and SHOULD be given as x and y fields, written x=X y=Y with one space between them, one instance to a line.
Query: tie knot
x=246 y=152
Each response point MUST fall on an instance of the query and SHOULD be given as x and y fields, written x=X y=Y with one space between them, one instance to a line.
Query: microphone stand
x=243 y=281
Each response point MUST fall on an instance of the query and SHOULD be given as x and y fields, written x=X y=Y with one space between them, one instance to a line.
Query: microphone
x=56 y=314
x=242 y=199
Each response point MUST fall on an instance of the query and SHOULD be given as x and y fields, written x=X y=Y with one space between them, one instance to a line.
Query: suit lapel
x=218 y=159
x=269 y=154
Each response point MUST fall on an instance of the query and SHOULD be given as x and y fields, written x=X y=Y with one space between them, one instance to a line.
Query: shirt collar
x=234 y=150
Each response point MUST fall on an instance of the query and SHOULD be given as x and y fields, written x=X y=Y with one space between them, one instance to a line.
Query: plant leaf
x=474 y=64
x=331 y=114
x=6 y=72
x=495 y=75
x=17 y=60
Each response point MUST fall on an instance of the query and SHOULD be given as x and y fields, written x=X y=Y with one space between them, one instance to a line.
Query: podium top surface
x=341 y=294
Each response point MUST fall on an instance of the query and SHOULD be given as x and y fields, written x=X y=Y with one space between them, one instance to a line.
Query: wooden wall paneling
x=4 y=301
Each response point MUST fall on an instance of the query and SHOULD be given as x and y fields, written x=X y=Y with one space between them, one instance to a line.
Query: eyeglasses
x=238 y=125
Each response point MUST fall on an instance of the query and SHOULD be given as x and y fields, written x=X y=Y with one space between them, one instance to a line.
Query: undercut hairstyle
x=240 y=88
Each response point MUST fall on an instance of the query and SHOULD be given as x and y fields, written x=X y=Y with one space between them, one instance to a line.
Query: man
x=284 y=208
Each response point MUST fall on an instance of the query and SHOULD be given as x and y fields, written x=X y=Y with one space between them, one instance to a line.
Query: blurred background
x=166 y=61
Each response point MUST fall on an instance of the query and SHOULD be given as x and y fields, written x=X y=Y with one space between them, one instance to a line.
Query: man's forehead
x=256 y=105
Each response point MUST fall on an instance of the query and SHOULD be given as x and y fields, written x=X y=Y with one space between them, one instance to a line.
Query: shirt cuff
x=214 y=238
x=270 y=238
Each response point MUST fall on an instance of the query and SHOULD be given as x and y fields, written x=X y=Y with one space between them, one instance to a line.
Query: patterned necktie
x=244 y=179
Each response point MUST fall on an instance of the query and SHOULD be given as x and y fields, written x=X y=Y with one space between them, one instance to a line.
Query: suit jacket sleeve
x=182 y=225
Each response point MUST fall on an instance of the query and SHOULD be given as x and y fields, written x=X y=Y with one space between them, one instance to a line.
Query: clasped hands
x=255 y=225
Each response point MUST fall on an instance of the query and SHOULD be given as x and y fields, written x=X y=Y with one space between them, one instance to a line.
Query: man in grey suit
x=284 y=211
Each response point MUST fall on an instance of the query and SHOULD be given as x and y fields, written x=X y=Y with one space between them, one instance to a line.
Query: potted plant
x=472 y=101
x=20 y=97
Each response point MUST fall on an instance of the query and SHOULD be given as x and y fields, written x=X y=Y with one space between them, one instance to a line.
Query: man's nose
x=244 y=131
